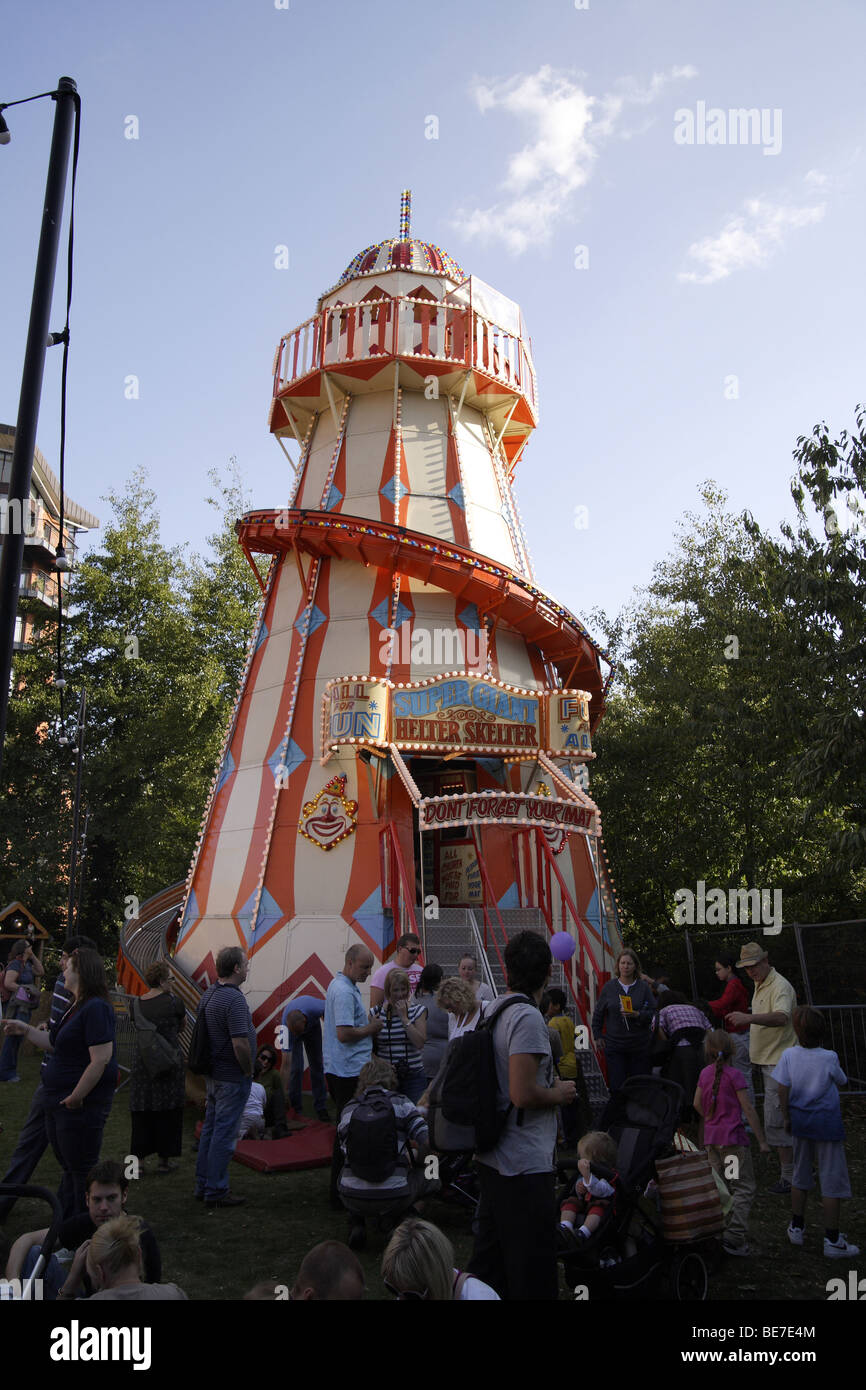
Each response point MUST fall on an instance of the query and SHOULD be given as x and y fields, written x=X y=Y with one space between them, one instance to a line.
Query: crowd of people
x=392 y=1070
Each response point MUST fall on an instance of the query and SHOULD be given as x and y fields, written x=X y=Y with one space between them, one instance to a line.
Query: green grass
x=221 y=1254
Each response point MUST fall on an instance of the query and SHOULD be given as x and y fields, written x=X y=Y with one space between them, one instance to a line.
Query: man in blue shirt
x=232 y=1048
x=348 y=1041
x=302 y=1028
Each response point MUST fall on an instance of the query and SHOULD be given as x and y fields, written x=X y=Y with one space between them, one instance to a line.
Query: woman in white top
x=468 y=971
x=419 y=1264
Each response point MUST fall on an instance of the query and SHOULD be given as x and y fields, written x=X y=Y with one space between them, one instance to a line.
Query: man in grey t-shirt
x=515 y=1247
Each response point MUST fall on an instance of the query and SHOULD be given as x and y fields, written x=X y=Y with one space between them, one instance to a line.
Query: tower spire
x=405 y=214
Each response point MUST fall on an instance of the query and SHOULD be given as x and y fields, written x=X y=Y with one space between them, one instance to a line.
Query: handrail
x=481 y=952
x=389 y=833
x=545 y=861
x=488 y=894
x=404 y=326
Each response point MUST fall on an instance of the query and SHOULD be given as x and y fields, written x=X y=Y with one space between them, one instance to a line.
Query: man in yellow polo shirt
x=771 y=1033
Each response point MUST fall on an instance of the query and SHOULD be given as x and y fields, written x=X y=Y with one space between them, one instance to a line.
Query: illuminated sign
x=568 y=722
x=501 y=808
x=459 y=711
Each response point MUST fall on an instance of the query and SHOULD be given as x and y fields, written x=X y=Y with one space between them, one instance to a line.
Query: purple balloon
x=562 y=946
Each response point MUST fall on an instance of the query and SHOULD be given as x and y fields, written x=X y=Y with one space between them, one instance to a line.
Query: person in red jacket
x=733 y=999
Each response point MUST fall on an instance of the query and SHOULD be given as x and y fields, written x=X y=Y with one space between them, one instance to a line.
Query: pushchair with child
x=30 y=1287
x=637 y=1246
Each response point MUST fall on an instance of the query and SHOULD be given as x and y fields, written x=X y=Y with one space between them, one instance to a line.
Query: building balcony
x=39 y=589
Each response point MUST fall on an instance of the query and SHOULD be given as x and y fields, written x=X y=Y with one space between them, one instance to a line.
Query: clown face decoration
x=329 y=817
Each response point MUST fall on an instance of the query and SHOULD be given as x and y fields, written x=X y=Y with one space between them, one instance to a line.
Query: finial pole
x=405 y=214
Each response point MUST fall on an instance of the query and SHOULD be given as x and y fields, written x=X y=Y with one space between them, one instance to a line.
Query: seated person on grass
x=107 y=1190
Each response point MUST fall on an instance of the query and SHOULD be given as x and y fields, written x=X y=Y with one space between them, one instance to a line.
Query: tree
x=820 y=585
x=696 y=765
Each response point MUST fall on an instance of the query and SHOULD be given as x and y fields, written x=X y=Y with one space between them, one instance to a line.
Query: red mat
x=310 y=1147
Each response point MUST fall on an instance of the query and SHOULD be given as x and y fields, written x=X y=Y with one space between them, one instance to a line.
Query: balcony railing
x=405 y=327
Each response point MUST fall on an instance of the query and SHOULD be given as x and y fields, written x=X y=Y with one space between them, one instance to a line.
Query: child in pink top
x=722 y=1098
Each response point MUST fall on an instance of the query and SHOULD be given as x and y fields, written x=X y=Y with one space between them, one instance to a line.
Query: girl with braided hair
x=722 y=1099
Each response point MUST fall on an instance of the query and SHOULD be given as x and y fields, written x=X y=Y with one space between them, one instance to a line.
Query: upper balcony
x=471 y=357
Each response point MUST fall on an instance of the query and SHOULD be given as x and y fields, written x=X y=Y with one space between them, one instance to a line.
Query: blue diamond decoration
x=290 y=756
x=456 y=496
x=393 y=490
x=380 y=613
x=510 y=898
x=191 y=915
x=469 y=617
x=333 y=499
x=262 y=637
x=269 y=912
x=228 y=768
x=317 y=617
x=378 y=924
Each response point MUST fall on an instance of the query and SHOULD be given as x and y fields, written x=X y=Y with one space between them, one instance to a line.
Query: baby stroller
x=30 y=1287
x=627 y=1256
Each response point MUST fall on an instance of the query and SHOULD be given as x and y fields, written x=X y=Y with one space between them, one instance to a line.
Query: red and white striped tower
x=415 y=713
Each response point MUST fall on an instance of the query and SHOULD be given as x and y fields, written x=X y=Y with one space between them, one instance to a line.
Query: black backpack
x=464 y=1113
x=199 y=1059
x=372 y=1143
x=157 y=1054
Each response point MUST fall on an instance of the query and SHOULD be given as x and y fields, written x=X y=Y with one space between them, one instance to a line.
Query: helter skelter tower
x=410 y=739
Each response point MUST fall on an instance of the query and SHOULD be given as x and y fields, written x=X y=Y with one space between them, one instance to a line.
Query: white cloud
x=749 y=240
x=567 y=128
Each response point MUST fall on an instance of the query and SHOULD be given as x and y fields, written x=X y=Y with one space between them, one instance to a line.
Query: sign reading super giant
x=465 y=712
x=470 y=713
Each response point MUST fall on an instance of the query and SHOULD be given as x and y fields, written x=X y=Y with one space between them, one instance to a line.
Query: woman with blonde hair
x=403 y=1033
x=457 y=997
x=419 y=1263
x=114 y=1265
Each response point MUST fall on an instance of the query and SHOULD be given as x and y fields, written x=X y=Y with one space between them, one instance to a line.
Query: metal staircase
x=457 y=932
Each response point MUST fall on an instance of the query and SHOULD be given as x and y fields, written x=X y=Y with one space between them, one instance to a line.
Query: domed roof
x=402 y=253
x=394 y=254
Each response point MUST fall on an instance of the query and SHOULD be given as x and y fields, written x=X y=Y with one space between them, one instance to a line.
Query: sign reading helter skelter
x=456 y=768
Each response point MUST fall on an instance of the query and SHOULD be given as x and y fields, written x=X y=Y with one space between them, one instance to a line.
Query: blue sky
x=719 y=316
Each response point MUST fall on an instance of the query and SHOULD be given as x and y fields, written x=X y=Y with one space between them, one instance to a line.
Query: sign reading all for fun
x=498 y=808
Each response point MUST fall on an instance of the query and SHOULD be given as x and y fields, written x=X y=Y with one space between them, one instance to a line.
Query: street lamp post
x=76 y=809
x=12 y=550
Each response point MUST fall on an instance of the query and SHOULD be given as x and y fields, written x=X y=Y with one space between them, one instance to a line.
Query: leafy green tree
x=696 y=769
x=819 y=583
x=158 y=639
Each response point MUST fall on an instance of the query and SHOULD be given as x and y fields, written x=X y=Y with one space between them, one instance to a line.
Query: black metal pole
x=73 y=857
x=81 y=858
x=12 y=550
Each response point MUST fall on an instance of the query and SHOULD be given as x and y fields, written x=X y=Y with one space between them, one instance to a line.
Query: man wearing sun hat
x=771 y=1033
